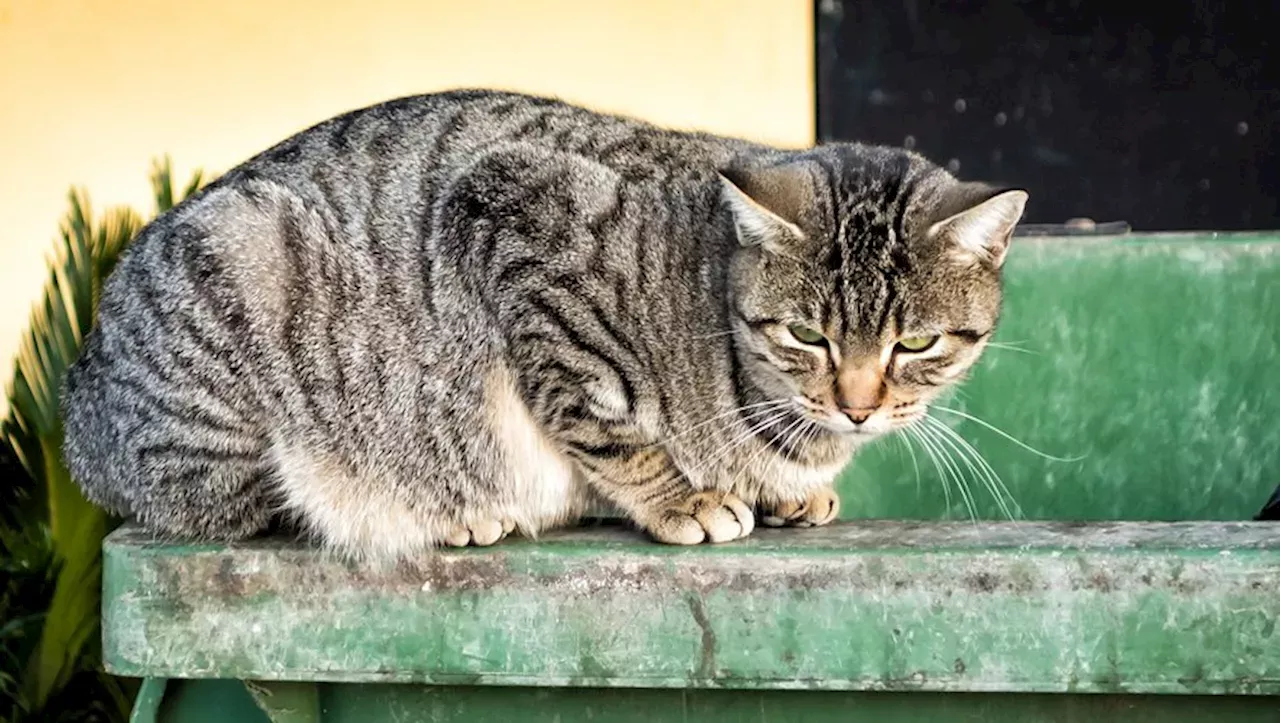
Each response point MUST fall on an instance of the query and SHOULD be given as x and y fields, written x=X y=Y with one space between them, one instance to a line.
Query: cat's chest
x=756 y=469
x=788 y=477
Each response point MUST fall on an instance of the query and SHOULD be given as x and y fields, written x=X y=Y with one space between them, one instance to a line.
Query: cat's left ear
x=766 y=204
x=981 y=220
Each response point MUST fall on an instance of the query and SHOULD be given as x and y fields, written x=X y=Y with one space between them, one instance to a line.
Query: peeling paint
x=1107 y=607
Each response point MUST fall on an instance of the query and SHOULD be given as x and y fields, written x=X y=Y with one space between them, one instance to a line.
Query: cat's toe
x=823 y=507
x=486 y=532
x=677 y=528
x=481 y=534
x=705 y=516
x=459 y=537
x=743 y=520
x=820 y=508
x=780 y=514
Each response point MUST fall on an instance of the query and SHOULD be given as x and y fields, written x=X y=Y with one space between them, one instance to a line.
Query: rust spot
x=1101 y=582
x=462 y=572
x=228 y=581
x=1194 y=677
x=1186 y=587
x=588 y=581
x=959 y=666
x=982 y=582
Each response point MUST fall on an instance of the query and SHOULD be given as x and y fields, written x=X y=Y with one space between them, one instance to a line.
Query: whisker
x=945 y=440
x=1006 y=435
x=946 y=482
x=977 y=465
x=747 y=465
x=738 y=441
x=790 y=439
x=758 y=407
x=786 y=433
x=713 y=335
x=1006 y=346
x=966 y=495
x=982 y=462
x=905 y=441
x=724 y=449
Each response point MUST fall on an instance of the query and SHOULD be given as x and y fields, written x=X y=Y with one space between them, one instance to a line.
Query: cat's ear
x=766 y=204
x=979 y=221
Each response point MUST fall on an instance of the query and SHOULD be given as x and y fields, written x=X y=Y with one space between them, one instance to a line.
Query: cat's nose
x=858 y=416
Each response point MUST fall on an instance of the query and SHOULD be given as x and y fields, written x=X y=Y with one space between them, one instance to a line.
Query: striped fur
x=447 y=317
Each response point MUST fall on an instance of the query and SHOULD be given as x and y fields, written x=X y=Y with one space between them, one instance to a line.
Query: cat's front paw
x=703 y=516
x=821 y=507
x=481 y=534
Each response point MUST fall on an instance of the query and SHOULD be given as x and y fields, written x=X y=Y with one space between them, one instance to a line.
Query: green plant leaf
x=50 y=534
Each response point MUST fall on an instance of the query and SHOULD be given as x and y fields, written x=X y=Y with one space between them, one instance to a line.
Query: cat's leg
x=820 y=507
x=645 y=483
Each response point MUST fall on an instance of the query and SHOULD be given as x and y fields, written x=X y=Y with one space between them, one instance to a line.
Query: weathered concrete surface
x=1032 y=607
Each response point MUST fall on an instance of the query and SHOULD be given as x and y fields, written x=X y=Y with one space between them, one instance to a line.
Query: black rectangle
x=1159 y=114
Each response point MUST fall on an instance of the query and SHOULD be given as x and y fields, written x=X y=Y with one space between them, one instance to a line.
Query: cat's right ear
x=980 y=221
x=764 y=204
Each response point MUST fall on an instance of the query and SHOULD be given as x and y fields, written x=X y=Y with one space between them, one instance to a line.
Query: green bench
x=1133 y=587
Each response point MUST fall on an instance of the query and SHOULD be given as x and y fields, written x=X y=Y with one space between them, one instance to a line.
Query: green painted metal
x=875 y=605
x=434 y=704
x=1149 y=356
x=146 y=706
x=286 y=701
x=215 y=701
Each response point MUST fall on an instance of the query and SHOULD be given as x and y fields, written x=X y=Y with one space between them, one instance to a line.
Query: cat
x=450 y=317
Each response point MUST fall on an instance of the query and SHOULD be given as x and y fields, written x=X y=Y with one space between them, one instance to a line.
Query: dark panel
x=1158 y=114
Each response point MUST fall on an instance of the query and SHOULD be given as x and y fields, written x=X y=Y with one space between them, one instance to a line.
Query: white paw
x=481 y=533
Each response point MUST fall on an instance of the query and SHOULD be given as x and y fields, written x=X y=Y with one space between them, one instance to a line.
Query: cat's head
x=867 y=280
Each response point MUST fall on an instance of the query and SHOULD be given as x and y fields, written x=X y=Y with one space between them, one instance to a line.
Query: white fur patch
x=356 y=517
x=369 y=518
x=545 y=488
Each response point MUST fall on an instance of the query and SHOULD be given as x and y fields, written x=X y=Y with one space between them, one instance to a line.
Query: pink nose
x=858 y=415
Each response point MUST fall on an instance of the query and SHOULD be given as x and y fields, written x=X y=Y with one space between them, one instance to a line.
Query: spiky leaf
x=49 y=529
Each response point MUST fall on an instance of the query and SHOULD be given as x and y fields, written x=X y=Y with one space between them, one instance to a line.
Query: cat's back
x=348 y=204
x=419 y=143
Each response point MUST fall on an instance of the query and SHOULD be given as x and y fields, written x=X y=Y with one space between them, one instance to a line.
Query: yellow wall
x=92 y=90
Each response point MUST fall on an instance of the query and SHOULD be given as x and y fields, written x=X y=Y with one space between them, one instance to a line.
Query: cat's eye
x=916 y=344
x=806 y=334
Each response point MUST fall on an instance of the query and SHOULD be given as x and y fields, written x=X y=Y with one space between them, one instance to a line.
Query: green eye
x=805 y=334
x=917 y=343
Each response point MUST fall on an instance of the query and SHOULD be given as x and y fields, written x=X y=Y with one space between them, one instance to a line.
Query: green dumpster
x=1127 y=422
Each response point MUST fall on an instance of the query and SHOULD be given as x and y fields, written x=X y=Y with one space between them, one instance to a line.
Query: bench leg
x=286 y=702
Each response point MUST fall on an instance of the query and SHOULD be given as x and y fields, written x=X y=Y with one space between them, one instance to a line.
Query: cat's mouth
x=839 y=423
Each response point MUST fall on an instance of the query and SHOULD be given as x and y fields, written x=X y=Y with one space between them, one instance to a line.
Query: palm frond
x=48 y=526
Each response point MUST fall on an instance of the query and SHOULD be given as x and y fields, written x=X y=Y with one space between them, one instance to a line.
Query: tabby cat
x=448 y=317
